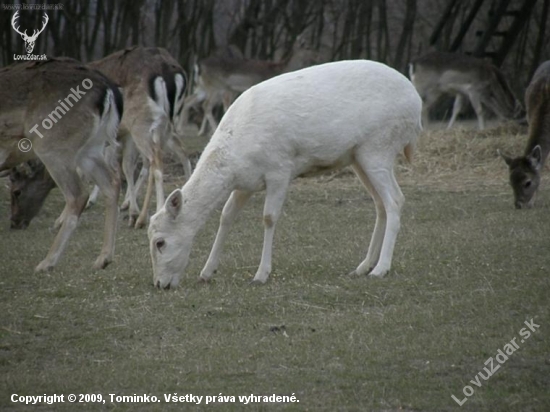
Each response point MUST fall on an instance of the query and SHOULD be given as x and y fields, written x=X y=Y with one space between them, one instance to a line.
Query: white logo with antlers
x=29 y=40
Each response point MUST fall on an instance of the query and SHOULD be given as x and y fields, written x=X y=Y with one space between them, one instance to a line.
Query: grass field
x=468 y=271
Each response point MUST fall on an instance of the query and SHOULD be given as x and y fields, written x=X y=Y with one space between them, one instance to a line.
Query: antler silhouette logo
x=29 y=40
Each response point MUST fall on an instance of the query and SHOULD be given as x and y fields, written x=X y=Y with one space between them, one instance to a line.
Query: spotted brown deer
x=359 y=113
x=466 y=78
x=30 y=93
x=525 y=170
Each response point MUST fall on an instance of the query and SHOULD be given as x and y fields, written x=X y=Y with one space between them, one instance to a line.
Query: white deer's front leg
x=230 y=211
x=275 y=197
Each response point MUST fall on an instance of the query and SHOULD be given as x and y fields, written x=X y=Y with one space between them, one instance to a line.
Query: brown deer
x=79 y=110
x=224 y=75
x=153 y=85
x=436 y=74
x=525 y=170
x=127 y=68
x=30 y=184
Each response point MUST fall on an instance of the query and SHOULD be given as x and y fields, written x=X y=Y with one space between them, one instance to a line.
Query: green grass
x=468 y=271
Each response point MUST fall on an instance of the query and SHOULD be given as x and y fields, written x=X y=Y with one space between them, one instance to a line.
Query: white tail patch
x=179 y=98
x=110 y=118
x=160 y=107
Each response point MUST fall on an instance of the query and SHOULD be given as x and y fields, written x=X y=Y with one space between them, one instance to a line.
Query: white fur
x=359 y=113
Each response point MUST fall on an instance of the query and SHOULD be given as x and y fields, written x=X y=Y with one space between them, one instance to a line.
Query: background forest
x=390 y=31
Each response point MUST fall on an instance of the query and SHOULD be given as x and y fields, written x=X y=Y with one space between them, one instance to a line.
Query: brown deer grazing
x=436 y=74
x=143 y=119
x=224 y=75
x=525 y=170
x=30 y=184
x=153 y=84
x=68 y=113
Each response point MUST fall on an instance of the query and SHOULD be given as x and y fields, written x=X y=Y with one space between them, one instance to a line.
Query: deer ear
x=173 y=203
x=507 y=159
x=535 y=157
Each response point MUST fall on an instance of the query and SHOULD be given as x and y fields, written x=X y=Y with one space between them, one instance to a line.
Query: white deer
x=29 y=40
x=359 y=113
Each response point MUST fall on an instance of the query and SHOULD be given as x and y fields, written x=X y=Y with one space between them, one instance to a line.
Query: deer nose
x=518 y=205
x=167 y=287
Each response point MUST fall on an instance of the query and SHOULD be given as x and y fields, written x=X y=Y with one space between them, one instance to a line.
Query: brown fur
x=525 y=170
x=135 y=70
x=438 y=73
x=72 y=146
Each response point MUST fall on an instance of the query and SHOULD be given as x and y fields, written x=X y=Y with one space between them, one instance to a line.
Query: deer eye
x=527 y=184
x=159 y=244
x=17 y=193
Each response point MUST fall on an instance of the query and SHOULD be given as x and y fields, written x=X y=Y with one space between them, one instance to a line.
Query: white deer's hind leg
x=384 y=183
x=230 y=211
x=377 y=238
x=457 y=107
x=274 y=199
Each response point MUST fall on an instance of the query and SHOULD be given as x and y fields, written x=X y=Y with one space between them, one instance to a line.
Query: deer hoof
x=140 y=223
x=102 y=262
x=44 y=266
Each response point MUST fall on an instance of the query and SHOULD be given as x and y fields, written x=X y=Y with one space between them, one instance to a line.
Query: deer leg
x=274 y=199
x=70 y=183
x=176 y=146
x=230 y=211
x=377 y=238
x=140 y=222
x=208 y=116
x=457 y=107
x=384 y=184
x=108 y=181
x=93 y=197
x=129 y=160
x=478 y=108
x=157 y=167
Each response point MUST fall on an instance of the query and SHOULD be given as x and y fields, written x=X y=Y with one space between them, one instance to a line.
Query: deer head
x=29 y=40
x=525 y=176
x=30 y=184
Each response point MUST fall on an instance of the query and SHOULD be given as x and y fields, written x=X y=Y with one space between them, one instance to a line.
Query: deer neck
x=539 y=133
x=208 y=187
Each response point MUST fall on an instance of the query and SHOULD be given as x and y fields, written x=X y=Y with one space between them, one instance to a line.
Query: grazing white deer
x=464 y=77
x=224 y=75
x=76 y=125
x=153 y=85
x=359 y=113
x=525 y=170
